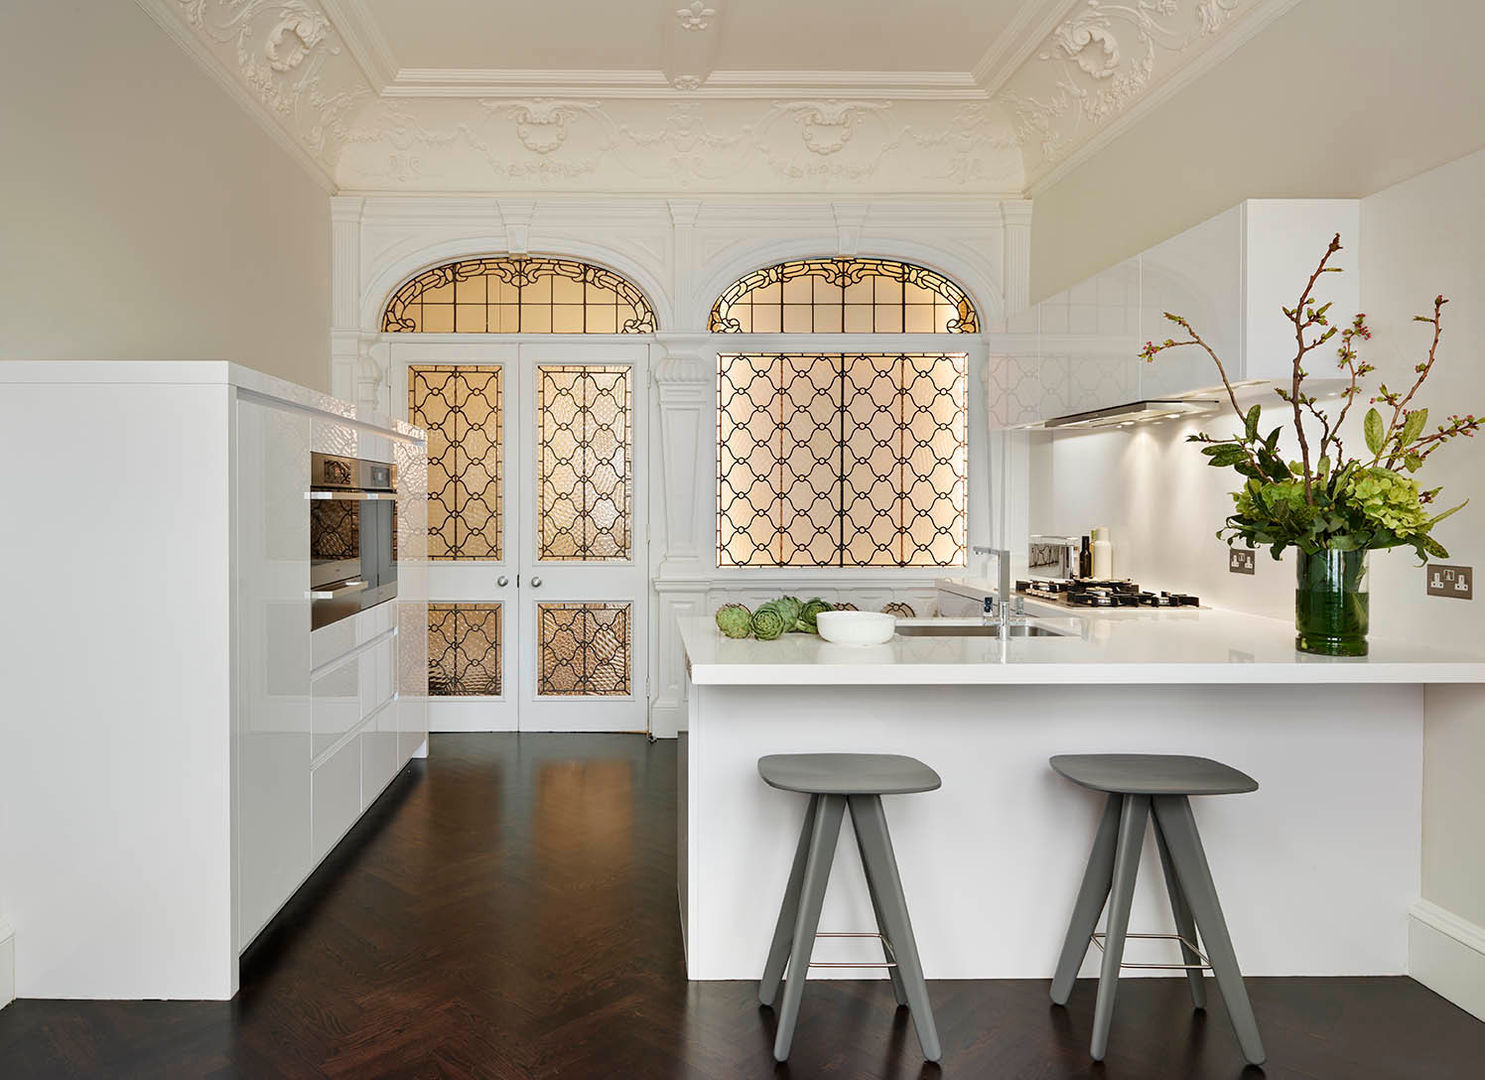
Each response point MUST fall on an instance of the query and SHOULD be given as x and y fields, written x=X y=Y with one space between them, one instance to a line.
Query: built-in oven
x=352 y=536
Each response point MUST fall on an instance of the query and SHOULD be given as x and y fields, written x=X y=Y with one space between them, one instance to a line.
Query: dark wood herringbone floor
x=508 y=910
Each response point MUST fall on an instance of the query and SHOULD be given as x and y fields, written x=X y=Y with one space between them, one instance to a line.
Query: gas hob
x=1101 y=593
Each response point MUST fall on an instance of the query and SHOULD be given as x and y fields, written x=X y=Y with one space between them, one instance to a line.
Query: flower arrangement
x=1330 y=499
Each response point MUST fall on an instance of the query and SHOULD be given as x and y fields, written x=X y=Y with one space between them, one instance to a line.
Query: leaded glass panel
x=582 y=650
x=841 y=460
x=464 y=650
x=462 y=409
x=584 y=458
x=519 y=295
x=853 y=296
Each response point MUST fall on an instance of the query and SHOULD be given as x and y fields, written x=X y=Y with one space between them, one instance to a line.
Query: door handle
x=536 y=583
x=502 y=581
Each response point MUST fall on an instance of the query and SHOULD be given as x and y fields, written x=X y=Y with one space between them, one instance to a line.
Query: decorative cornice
x=1061 y=80
x=363 y=37
x=1108 y=62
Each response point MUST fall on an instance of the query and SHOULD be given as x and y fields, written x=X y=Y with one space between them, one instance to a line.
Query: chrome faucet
x=1003 y=582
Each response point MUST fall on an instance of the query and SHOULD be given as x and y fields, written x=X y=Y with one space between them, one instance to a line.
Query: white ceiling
x=751 y=35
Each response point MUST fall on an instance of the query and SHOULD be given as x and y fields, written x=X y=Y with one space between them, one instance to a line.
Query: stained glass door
x=537 y=578
x=584 y=585
x=462 y=396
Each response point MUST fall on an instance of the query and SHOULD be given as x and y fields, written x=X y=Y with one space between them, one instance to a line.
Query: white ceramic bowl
x=856 y=627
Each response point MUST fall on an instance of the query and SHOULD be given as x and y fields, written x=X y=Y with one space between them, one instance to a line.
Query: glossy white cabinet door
x=336 y=790
x=273 y=660
x=379 y=761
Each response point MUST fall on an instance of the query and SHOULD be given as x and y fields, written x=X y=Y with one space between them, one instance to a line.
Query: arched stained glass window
x=517 y=294
x=850 y=296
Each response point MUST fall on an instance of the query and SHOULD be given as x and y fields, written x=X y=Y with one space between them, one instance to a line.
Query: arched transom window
x=850 y=296
x=517 y=294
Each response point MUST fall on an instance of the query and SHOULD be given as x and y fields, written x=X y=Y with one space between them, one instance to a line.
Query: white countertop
x=1131 y=646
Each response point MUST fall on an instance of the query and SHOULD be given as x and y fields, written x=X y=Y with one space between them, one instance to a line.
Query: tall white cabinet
x=178 y=750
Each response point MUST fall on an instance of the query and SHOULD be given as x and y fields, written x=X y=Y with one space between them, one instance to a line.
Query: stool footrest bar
x=856 y=934
x=1205 y=965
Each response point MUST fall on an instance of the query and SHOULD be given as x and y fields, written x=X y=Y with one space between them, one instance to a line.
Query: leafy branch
x=1329 y=499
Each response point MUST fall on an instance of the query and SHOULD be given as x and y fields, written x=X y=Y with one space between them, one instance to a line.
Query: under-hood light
x=1134 y=412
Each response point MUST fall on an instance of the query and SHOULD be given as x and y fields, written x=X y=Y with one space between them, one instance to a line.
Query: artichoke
x=769 y=622
x=734 y=620
x=789 y=607
x=812 y=607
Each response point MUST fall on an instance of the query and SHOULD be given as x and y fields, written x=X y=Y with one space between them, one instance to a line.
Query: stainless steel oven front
x=352 y=536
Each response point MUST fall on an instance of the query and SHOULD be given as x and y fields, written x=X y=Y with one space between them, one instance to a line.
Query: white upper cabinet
x=1231 y=276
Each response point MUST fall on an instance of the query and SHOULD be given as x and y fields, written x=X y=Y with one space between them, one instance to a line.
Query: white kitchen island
x=1317 y=869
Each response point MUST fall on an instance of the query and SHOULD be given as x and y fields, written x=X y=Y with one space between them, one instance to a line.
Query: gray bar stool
x=1136 y=784
x=833 y=782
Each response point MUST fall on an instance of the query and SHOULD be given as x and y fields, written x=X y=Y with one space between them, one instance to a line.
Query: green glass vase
x=1331 y=604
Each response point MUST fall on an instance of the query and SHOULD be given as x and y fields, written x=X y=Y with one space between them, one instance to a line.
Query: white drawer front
x=335 y=704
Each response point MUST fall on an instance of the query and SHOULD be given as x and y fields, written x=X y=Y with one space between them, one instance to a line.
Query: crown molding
x=364 y=38
x=1014 y=45
x=653 y=84
x=1063 y=80
x=1256 y=19
x=163 y=14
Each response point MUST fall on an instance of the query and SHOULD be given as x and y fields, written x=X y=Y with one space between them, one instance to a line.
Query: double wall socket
x=1241 y=560
x=1457 y=582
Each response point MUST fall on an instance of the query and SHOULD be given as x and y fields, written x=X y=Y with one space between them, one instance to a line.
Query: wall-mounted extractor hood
x=1133 y=412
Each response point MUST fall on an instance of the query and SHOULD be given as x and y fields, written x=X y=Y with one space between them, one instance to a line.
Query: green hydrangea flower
x=1389 y=499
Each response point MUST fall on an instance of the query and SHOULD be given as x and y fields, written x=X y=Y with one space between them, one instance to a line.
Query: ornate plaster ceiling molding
x=692 y=33
x=630 y=146
x=284 y=59
x=1065 y=77
x=1106 y=62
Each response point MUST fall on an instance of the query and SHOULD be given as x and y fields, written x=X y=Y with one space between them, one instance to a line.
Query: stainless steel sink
x=975 y=630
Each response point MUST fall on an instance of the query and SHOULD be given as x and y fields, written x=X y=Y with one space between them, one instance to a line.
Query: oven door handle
x=351 y=496
x=338 y=591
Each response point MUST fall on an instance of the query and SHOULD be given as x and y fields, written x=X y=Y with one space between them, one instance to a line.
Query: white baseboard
x=7 y=964
x=1447 y=955
x=667 y=720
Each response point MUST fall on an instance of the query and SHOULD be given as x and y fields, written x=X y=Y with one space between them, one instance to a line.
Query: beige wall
x=1423 y=237
x=144 y=214
x=1336 y=98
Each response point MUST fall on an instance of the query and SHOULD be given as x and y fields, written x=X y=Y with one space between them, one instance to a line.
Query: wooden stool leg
x=1091 y=896
x=783 y=931
x=1121 y=895
x=881 y=865
x=876 y=909
x=1185 y=924
x=823 y=838
x=1174 y=815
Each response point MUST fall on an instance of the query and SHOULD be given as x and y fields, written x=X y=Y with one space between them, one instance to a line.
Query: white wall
x=146 y=216
x=1423 y=237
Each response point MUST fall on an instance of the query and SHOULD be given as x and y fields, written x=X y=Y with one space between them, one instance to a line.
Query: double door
x=536 y=533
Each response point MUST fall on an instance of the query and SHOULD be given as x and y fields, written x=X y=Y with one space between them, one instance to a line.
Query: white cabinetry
x=178 y=750
x=1231 y=276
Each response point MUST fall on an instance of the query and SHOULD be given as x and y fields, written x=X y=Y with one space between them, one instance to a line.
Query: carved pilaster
x=1016 y=274
x=683 y=215
x=684 y=380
